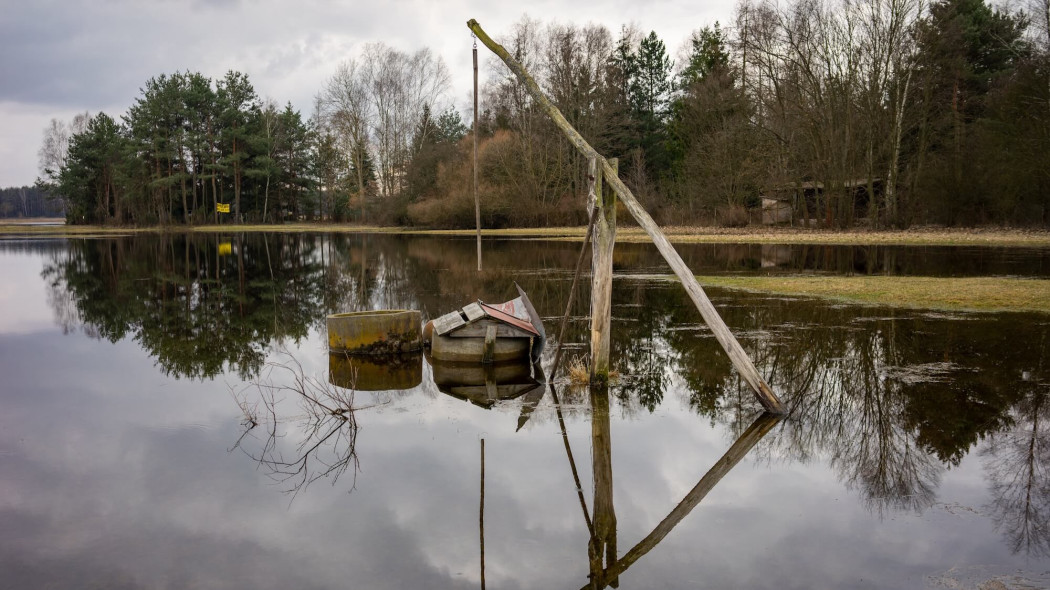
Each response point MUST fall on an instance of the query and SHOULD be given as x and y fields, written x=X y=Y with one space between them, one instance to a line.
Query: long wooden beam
x=736 y=353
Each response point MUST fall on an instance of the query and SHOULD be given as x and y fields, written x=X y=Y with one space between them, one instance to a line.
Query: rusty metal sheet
x=523 y=324
x=477 y=330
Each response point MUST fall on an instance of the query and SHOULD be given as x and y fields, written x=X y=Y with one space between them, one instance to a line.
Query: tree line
x=195 y=150
x=23 y=202
x=884 y=112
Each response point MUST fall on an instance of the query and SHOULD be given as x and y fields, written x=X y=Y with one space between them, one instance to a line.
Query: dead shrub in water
x=580 y=372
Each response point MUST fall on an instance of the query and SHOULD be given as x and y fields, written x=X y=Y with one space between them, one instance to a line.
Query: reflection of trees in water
x=890 y=398
x=646 y=358
x=1017 y=463
x=845 y=407
x=196 y=308
x=897 y=401
x=200 y=304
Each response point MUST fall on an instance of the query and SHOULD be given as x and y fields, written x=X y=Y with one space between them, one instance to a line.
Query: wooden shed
x=783 y=203
x=486 y=333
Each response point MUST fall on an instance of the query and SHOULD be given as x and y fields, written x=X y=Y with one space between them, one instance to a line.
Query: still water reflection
x=915 y=452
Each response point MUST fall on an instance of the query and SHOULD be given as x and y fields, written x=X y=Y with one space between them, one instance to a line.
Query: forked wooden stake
x=707 y=310
x=601 y=275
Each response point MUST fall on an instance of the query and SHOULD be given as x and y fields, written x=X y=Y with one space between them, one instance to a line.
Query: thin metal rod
x=477 y=201
x=481 y=514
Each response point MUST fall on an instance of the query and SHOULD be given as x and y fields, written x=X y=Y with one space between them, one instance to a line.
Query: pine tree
x=237 y=102
x=90 y=178
x=708 y=55
x=651 y=90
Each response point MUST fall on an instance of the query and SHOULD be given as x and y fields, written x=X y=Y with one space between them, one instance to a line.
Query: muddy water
x=916 y=453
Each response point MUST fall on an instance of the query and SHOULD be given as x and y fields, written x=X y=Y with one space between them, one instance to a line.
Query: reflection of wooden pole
x=603 y=538
x=601 y=275
x=568 y=453
x=477 y=202
x=481 y=515
x=754 y=433
x=718 y=327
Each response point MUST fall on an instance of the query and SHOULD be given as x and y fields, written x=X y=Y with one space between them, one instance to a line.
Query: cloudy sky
x=60 y=57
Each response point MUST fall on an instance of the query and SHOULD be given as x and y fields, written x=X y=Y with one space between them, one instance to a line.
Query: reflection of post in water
x=603 y=533
x=608 y=576
x=362 y=303
x=273 y=281
x=481 y=515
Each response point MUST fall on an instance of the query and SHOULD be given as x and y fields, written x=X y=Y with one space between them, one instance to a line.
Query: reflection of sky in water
x=113 y=474
x=23 y=296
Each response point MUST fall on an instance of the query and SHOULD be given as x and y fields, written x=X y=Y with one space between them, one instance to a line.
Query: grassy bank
x=954 y=294
x=681 y=235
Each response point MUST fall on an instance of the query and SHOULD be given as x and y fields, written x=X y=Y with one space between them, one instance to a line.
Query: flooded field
x=157 y=428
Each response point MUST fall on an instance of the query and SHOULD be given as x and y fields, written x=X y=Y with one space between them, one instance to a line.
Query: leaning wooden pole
x=707 y=310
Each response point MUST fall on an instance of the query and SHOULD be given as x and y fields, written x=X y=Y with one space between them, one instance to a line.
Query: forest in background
x=26 y=202
x=884 y=113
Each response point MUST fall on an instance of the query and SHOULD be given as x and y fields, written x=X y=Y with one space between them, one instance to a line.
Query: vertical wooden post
x=477 y=201
x=489 y=351
x=601 y=273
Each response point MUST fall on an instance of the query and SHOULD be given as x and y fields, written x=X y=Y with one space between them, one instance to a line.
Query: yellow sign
x=222 y=207
x=225 y=248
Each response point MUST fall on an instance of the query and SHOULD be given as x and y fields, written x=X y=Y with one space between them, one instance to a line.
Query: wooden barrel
x=472 y=350
x=388 y=331
x=375 y=372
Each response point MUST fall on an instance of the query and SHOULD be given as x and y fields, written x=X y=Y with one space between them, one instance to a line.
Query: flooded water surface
x=170 y=417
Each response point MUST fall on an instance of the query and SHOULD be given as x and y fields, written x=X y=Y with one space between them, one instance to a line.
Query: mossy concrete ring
x=389 y=331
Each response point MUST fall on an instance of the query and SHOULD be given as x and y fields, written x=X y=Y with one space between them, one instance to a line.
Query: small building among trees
x=802 y=201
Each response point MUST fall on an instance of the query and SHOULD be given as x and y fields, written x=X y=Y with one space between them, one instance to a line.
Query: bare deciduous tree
x=52 y=153
x=373 y=104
